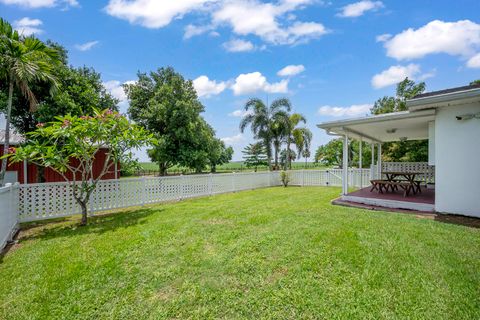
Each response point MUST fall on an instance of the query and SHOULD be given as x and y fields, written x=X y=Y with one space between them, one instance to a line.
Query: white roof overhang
x=385 y=127
x=445 y=100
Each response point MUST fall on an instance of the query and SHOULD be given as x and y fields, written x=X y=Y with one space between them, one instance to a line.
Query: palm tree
x=266 y=123
x=291 y=130
x=302 y=138
x=23 y=62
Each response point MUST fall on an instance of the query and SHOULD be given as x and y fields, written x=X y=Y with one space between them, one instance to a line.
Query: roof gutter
x=434 y=101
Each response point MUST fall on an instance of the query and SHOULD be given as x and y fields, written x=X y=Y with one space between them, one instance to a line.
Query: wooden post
x=360 y=164
x=25 y=172
x=345 y=166
x=379 y=161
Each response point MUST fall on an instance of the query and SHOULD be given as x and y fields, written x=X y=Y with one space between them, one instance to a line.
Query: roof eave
x=443 y=99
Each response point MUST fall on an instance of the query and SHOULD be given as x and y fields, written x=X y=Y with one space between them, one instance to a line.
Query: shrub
x=285 y=177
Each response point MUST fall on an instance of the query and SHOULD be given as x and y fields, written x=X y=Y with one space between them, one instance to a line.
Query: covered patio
x=402 y=185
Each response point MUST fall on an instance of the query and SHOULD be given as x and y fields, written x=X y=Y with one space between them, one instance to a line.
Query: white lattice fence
x=51 y=200
x=8 y=213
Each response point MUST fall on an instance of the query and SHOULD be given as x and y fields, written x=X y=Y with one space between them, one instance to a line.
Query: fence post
x=303 y=178
x=328 y=176
x=144 y=191
x=210 y=184
x=181 y=186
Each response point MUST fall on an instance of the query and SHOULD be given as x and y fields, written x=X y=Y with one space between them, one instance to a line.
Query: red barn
x=30 y=173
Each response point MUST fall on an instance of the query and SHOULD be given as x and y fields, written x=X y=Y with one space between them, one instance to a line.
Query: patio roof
x=384 y=127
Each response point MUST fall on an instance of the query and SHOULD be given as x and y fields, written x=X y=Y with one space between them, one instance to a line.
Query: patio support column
x=379 y=160
x=372 y=172
x=345 y=166
x=360 y=164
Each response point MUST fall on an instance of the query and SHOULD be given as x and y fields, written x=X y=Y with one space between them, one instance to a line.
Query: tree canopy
x=167 y=105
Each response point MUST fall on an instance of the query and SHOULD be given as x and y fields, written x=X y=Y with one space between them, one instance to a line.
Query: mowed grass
x=266 y=254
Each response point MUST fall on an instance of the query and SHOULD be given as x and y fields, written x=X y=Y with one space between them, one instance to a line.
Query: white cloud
x=395 y=74
x=262 y=19
x=238 y=45
x=353 y=110
x=272 y=22
x=115 y=88
x=86 y=46
x=253 y=82
x=153 y=13
x=193 y=30
x=40 y=3
x=27 y=26
x=240 y=113
x=291 y=70
x=461 y=38
x=383 y=37
x=233 y=139
x=357 y=9
x=206 y=87
x=474 y=62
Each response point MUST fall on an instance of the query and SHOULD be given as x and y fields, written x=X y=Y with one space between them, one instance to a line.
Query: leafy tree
x=69 y=144
x=218 y=154
x=331 y=154
x=167 y=105
x=475 y=82
x=23 y=62
x=267 y=123
x=407 y=89
x=255 y=155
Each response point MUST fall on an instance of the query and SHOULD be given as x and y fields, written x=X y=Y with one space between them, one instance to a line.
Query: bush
x=285 y=177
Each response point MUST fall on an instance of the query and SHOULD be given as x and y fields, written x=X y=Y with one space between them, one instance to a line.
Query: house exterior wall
x=431 y=143
x=457 y=161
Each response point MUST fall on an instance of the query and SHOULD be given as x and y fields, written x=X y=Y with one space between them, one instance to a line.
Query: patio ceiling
x=385 y=127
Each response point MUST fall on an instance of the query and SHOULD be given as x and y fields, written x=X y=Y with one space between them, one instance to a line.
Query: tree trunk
x=6 y=143
x=84 y=213
x=288 y=164
x=213 y=169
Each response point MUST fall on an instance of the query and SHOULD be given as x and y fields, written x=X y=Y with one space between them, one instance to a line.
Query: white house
x=450 y=120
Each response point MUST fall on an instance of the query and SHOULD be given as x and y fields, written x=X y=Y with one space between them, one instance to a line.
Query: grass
x=271 y=253
x=237 y=166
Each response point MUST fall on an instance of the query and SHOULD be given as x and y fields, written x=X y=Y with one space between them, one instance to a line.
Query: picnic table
x=407 y=183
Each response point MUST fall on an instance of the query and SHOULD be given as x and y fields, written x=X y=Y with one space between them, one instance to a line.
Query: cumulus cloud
x=233 y=140
x=291 y=70
x=86 y=46
x=461 y=38
x=474 y=62
x=240 y=113
x=27 y=26
x=357 y=9
x=272 y=22
x=40 y=3
x=206 y=87
x=353 y=110
x=116 y=89
x=193 y=30
x=395 y=74
x=254 y=82
x=383 y=37
x=238 y=45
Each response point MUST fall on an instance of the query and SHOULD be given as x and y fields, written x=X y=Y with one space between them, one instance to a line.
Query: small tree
x=285 y=178
x=69 y=145
x=255 y=155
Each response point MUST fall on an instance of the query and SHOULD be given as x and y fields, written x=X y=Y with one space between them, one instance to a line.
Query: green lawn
x=237 y=166
x=266 y=254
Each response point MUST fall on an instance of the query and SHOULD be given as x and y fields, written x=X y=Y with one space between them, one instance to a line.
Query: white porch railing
x=428 y=172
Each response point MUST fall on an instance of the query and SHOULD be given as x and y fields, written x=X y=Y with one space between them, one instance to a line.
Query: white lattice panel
x=428 y=171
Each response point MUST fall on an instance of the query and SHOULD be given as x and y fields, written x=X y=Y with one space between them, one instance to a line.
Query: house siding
x=457 y=160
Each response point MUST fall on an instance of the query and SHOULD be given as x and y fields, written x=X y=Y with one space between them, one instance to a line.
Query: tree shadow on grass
x=69 y=227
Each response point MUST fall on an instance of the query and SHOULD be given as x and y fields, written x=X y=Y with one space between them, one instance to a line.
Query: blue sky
x=333 y=59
